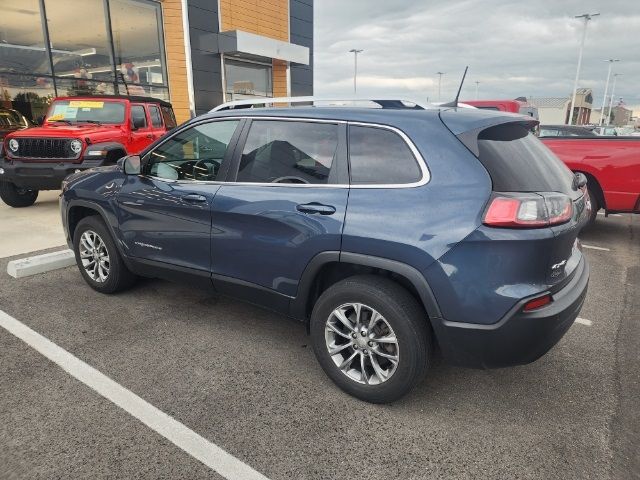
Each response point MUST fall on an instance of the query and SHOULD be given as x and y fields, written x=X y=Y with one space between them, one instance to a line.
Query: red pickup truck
x=78 y=133
x=611 y=165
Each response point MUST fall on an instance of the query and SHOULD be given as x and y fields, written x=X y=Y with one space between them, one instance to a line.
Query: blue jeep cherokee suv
x=391 y=231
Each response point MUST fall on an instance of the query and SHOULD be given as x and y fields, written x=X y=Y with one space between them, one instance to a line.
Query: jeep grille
x=45 y=148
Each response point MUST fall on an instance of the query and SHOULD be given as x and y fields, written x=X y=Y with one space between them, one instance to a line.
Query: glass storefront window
x=79 y=41
x=137 y=42
x=247 y=79
x=27 y=94
x=84 y=60
x=22 y=46
x=71 y=87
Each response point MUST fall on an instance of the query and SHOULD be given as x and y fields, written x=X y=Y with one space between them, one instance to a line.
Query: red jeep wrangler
x=78 y=133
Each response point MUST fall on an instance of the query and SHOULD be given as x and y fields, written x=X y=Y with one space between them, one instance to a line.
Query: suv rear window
x=518 y=162
x=381 y=157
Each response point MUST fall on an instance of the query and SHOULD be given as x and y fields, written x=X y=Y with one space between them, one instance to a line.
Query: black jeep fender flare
x=299 y=303
x=108 y=147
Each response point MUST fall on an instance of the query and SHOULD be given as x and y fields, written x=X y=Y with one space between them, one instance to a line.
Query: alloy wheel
x=94 y=256
x=362 y=344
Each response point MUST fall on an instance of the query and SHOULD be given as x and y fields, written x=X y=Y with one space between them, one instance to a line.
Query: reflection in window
x=288 y=152
x=193 y=154
x=247 y=80
x=29 y=95
x=22 y=48
x=137 y=44
x=80 y=49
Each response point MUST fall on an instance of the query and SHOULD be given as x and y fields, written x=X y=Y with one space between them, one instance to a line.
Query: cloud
x=513 y=48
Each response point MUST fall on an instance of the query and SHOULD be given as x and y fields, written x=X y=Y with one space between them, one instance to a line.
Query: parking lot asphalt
x=246 y=380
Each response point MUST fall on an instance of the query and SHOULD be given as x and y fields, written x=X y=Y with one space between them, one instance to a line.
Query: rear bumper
x=42 y=176
x=520 y=337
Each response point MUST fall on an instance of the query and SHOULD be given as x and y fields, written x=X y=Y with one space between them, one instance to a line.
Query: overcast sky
x=513 y=48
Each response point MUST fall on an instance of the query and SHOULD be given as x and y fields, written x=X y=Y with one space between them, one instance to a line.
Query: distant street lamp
x=613 y=88
x=477 y=83
x=586 y=17
x=439 y=83
x=606 y=89
x=355 y=68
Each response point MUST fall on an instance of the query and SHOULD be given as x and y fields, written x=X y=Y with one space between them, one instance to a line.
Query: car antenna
x=454 y=104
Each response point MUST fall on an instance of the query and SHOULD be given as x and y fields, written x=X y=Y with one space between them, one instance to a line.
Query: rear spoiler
x=467 y=124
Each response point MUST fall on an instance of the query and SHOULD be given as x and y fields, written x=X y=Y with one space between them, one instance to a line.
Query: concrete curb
x=25 y=267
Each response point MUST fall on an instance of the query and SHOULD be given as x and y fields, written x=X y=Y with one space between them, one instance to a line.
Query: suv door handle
x=194 y=197
x=315 y=207
x=151 y=136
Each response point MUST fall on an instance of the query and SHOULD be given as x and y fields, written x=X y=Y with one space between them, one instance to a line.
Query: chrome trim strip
x=426 y=175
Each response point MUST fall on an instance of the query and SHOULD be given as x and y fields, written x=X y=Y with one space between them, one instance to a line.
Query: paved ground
x=247 y=380
x=24 y=230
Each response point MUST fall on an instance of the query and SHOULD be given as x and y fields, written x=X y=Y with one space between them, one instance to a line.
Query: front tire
x=371 y=338
x=98 y=259
x=17 y=197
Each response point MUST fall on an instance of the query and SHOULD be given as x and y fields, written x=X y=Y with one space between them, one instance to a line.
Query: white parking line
x=198 y=447
x=584 y=321
x=593 y=247
x=611 y=214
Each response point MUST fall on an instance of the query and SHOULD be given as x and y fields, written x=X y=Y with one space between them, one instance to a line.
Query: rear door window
x=156 y=118
x=378 y=156
x=518 y=162
x=138 y=116
x=289 y=152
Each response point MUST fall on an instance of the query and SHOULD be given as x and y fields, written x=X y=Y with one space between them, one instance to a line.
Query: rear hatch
x=532 y=189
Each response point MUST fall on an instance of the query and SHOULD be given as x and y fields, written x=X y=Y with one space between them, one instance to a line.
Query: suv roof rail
x=389 y=103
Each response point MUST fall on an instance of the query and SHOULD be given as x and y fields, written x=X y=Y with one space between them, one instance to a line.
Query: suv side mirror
x=39 y=120
x=131 y=164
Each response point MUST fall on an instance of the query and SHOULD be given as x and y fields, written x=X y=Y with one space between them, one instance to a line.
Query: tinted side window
x=156 y=119
x=193 y=154
x=518 y=162
x=288 y=152
x=138 y=117
x=169 y=117
x=380 y=156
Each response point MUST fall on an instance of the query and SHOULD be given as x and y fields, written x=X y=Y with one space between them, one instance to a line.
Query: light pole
x=477 y=83
x=439 y=83
x=606 y=88
x=586 y=17
x=355 y=67
x=613 y=88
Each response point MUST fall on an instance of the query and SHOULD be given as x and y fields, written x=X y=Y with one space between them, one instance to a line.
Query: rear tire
x=17 y=197
x=400 y=326
x=98 y=259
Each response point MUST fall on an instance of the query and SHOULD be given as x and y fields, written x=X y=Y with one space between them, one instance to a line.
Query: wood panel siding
x=176 y=59
x=262 y=17
x=280 y=78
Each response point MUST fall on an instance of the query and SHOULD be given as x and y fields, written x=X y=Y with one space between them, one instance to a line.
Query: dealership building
x=194 y=53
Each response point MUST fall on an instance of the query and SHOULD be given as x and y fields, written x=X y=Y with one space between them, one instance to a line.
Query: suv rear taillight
x=528 y=210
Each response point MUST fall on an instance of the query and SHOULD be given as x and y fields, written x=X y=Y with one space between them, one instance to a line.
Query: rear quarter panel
x=613 y=162
x=417 y=225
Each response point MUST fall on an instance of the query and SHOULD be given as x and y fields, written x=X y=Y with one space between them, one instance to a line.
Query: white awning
x=239 y=42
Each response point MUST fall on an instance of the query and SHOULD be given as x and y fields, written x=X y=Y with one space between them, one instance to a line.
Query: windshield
x=89 y=111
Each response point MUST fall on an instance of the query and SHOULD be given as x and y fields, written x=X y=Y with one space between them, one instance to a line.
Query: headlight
x=76 y=146
x=13 y=145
